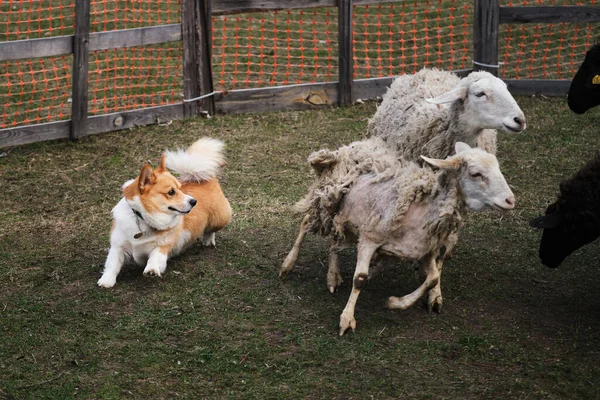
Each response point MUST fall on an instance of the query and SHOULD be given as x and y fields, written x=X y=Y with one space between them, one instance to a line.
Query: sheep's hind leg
x=291 y=258
x=432 y=278
x=434 y=299
x=366 y=250
x=334 y=277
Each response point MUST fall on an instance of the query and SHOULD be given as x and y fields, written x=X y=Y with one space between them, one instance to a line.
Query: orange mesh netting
x=544 y=51
x=399 y=38
x=136 y=77
x=275 y=48
x=36 y=90
x=262 y=49
x=32 y=19
x=109 y=15
x=300 y=46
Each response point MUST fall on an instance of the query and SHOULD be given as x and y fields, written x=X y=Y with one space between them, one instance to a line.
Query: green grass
x=221 y=324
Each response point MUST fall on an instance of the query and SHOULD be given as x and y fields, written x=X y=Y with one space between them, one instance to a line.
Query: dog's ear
x=147 y=177
x=163 y=164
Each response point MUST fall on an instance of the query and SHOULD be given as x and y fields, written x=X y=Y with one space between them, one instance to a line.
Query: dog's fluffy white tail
x=200 y=162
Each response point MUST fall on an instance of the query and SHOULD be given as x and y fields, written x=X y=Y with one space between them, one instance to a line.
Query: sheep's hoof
x=435 y=305
x=347 y=322
x=287 y=266
x=334 y=280
x=434 y=301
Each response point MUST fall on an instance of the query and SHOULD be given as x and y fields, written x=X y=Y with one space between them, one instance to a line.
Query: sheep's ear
x=459 y=92
x=546 y=221
x=459 y=147
x=163 y=164
x=449 y=163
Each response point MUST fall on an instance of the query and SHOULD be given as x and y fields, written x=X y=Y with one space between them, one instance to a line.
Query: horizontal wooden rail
x=529 y=87
x=308 y=96
x=372 y=88
x=292 y=97
x=549 y=15
x=60 y=45
x=245 y=6
x=135 y=37
x=96 y=124
x=36 y=48
x=35 y=133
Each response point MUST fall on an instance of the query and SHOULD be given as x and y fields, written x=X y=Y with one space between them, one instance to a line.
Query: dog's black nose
x=193 y=202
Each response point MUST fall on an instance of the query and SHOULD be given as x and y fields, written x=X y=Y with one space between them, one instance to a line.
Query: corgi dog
x=160 y=215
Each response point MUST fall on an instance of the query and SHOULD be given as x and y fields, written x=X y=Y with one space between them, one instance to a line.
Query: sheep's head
x=573 y=220
x=481 y=181
x=584 y=92
x=487 y=103
x=564 y=232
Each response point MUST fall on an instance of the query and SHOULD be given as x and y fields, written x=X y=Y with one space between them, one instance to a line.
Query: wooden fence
x=195 y=33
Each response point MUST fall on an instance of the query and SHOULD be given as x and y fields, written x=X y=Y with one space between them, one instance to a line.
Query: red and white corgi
x=160 y=215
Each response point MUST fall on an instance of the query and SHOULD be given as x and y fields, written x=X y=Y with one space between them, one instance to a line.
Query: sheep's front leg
x=334 y=277
x=365 y=251
x=157 y=262
x=432 y=278
x=291 y=258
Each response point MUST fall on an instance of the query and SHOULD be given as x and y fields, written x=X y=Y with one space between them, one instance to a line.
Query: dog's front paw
x=107 y=281
x=151 y=271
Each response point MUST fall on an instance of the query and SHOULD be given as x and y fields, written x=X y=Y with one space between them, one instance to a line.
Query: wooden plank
x=345 y=59
x=530 y=87
x=485 y=35
x=81 y=40
x=96 y=124
x=205 y=55
x=293 y=97
x=135 y=37
x=245 y=6
x=34 y=133
x=549 y=15
x=34 y=48
x=190 y=20
x=131 y=119
x=60 y=45
x=372 y=88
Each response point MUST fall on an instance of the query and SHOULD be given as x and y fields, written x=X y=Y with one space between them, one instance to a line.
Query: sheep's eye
x=479 y=94
x=171 y=192
x=476 y=175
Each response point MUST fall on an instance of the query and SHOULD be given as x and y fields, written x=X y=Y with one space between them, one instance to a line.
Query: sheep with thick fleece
x=363 y=193
x=428 y=112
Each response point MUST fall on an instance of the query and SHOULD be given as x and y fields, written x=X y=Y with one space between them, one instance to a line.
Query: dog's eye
x=476 y=175
x=479 y=94
x=171 y=192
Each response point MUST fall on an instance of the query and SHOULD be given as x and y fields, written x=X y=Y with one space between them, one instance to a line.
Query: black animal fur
x=574 y=219
x=584 y=92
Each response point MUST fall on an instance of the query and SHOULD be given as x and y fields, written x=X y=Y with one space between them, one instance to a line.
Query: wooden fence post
x=485 y=35
x=196 y=29
x=206 y=76
x=345 y=66
x=79 y=96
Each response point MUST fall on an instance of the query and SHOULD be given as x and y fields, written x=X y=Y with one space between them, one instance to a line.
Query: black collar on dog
x=137 y=221
x=138 y=214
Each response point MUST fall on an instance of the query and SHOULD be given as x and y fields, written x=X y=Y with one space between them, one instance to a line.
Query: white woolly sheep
x=364 y=194
x=426 y=113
